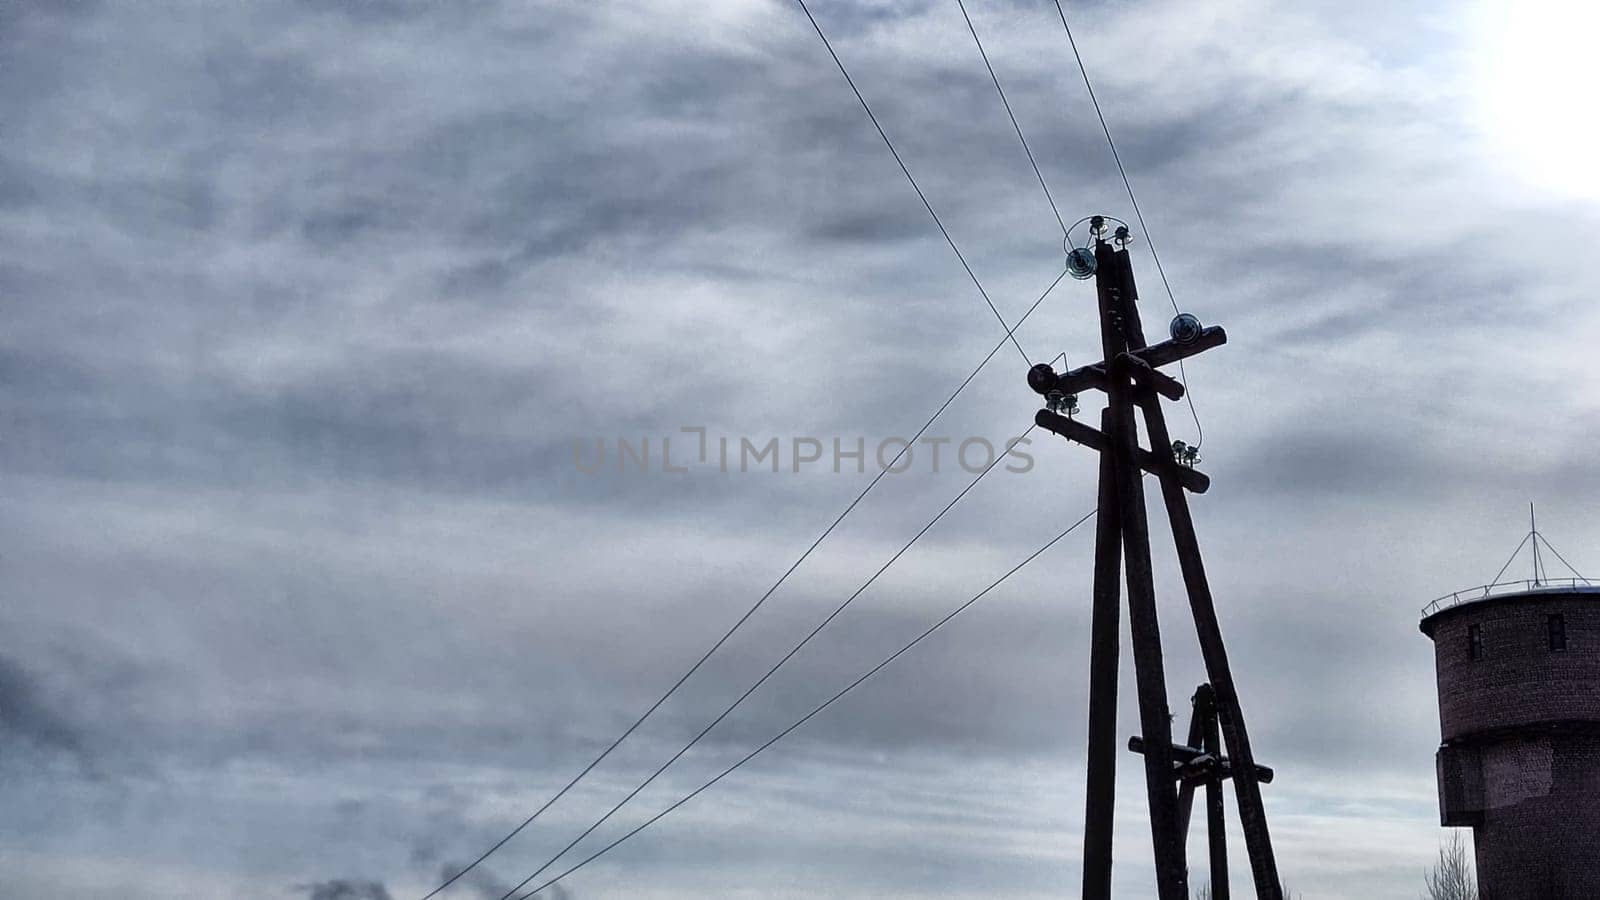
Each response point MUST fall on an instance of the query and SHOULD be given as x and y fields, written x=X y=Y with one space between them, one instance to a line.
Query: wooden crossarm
x=1168 y=352
x=1183 y=757
x=1093 y=377
x=1073 y=430
x=1165 y=385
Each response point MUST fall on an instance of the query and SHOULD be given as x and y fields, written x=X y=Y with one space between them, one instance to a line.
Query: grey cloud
x=489 y=886
x=306 y=304
x=1314 y=460
x=27 y=716
x=346 y=889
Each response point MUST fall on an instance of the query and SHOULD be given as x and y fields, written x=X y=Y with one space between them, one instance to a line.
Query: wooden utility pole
x=1130 y=377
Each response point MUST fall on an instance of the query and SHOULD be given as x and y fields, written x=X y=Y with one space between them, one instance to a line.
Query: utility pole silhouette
x=1130 y=376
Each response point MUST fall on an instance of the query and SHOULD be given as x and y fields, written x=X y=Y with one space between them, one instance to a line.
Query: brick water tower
x=1518 y=667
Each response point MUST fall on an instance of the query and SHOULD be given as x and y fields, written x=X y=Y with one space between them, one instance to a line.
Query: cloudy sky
x=303 y=592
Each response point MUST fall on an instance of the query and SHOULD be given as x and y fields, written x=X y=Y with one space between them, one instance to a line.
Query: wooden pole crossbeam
x=1191 y=762
x=1143 y=374
x=1149 y=461
x=1128 y=375
x=1093 y=377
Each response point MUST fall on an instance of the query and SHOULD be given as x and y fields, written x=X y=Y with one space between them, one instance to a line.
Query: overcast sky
x=304 y=594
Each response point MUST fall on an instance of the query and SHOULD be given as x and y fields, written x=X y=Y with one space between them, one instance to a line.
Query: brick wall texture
x=1520 y=755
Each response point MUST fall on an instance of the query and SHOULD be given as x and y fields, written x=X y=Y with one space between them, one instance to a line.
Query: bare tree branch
x=1452 y=876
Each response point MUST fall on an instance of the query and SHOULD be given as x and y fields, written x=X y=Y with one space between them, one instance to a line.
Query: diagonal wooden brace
x=1168 y=352
x=1094 y=377
x=1073 y=430
x=1145 y=376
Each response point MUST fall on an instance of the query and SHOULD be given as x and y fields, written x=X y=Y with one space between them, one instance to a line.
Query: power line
x=769 y=673
x=1002 y=91
x=914 y=186
x=1200 y=435
x=1009 y=335
x=807 y=717
x=1134 y=201
x=1188 y=395
x=758 y=604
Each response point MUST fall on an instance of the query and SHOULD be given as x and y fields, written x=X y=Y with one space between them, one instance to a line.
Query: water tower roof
x=1541 y=585
x=1508 y=592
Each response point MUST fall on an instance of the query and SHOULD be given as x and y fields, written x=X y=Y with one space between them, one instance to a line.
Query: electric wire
x=914 y=186
x=1009 y=335
x=1132 y=200
x=1012 y=116
x=1137 y=213
x=604 y=754
x=769 y=673
x=1199 y=432
x=819 y=708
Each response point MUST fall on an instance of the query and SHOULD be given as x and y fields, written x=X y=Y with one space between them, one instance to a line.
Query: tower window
x=1475 y=641
x=1556 y=628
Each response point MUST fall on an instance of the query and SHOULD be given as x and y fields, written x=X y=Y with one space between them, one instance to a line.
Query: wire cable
x=1012 y=116
x=758 y=604
x=1496 y=579
x=1133 y=201
x=820 y=707
x=1199 y=432
x=769 y=673
x=1563 y=559
x=914 y=186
